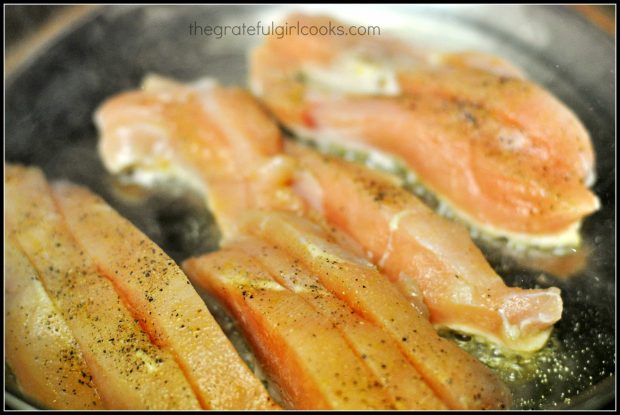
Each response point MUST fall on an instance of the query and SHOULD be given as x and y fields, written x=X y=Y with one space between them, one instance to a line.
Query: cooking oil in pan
x=552 y=374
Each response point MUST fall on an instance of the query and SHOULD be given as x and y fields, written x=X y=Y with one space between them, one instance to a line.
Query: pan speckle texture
x=50 y=101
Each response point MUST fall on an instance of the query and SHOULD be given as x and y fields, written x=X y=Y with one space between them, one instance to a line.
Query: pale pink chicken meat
x=498 y=151
x=128 y=370
x=450 y=282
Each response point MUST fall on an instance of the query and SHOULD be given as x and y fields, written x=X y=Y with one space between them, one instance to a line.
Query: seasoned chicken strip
x=299 y=349
x=495 y=150
x=128 y=370
x=411 y=243
x=380 y=353
x=455 y=376
x=40 y=348
x=164 y=300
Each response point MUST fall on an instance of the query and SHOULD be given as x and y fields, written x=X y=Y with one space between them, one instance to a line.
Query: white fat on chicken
x=351 y=73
